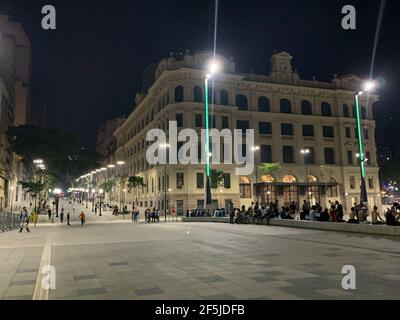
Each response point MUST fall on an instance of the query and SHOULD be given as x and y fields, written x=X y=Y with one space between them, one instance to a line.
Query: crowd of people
x=359 y=213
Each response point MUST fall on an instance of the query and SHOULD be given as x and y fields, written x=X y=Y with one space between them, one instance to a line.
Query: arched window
x=311 y=179
x=285 y=106
x=326 y=109
x=267 y=178
x=306 y=107
x=224 y=100
x=198 y=94
x=241 y=101
x=346 y=112
x=263 y=104
x=363 y=112
x=244 y=187
x=211 y=95
x=289 y=179
x=179 y=94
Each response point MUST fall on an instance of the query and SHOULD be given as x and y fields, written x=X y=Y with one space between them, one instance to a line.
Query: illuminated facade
x=288 y=115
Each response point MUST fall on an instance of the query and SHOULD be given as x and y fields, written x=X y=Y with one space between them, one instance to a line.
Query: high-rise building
x=288 y=115
x=15 y=87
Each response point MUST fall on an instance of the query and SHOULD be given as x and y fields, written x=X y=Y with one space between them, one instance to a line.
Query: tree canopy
x=61 y=152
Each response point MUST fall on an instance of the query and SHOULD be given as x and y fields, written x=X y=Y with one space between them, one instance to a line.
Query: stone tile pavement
x=197 y=261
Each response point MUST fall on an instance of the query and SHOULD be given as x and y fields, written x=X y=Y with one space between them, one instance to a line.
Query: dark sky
x=89 y=69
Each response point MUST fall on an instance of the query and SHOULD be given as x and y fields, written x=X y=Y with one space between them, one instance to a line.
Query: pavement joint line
x=39 y=292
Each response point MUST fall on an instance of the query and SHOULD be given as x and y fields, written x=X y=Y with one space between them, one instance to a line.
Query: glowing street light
x=306 y=152
x=212 y=69
x=368 y=86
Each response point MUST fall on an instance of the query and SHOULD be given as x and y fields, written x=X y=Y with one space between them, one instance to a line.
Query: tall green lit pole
x=368 y=86
x=208 y=199
x=363 y=194
x=213 y=67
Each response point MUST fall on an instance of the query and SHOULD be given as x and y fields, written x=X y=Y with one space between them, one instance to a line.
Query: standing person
x=293 y=209
x=49 y=213
x=62 y=215
x=68 y=217
x=133 y=215
x=82 y=216
x=333 y=214
x=231 y=212
x=95 y=209
x=24 y=218
x=305 y=210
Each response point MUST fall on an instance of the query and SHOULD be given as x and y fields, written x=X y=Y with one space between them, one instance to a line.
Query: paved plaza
x=111 y=258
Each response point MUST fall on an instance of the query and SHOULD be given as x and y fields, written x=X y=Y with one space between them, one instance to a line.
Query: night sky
x=89 y=69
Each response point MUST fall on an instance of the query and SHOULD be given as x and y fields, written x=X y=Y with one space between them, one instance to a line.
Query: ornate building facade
x=288 y=114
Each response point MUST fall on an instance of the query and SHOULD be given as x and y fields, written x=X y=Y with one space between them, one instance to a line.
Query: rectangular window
x=264 y=128
x=198 y=120
x=179 y=119
x=370 y=182
x=329 y=156
x=350 y=156
x=179 y=180
x=327 y=132
x=179 y=144
x=242 y=125
x=368 y=156
x=288 y=155
x=159 y=183
x=286 y=129
x=308 y=130
x=265 y=154
x=348 y=132
x=227 y=180
x=352 y=182
x=200 y=180
x=366 y=134
x=212 y=121
x=225 y=122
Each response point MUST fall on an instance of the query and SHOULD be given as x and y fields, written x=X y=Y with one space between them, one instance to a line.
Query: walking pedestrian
x=82 y=216
x=24 y=220
x=62 y=216
x=133 y=215
x=68 y=217
x=49 y=214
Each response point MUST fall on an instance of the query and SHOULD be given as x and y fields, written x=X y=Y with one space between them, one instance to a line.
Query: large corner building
x=287 y=113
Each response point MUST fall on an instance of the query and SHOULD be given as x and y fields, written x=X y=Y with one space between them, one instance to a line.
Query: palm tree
x=269 y=168
x=217 y=179
x=135 y=182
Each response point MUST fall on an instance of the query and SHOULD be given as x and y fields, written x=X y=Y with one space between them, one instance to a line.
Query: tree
x=37 y=187
x=61 y=151
x=107 y=186
x=269 y=168
x=135 y=182
x=217 y=179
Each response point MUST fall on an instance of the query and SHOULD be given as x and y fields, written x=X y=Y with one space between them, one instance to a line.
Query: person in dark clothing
x=68 y=217
x=324 y=215
x=391 y=219
x=305 y=210
x=231 y=213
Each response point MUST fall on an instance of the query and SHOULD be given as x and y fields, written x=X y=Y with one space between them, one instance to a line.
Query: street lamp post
x=165 y=146
x=363 y=192
x=120 y=176
x=213 y=68
x=100 y=194
x=254 y=149
x=305 y=152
